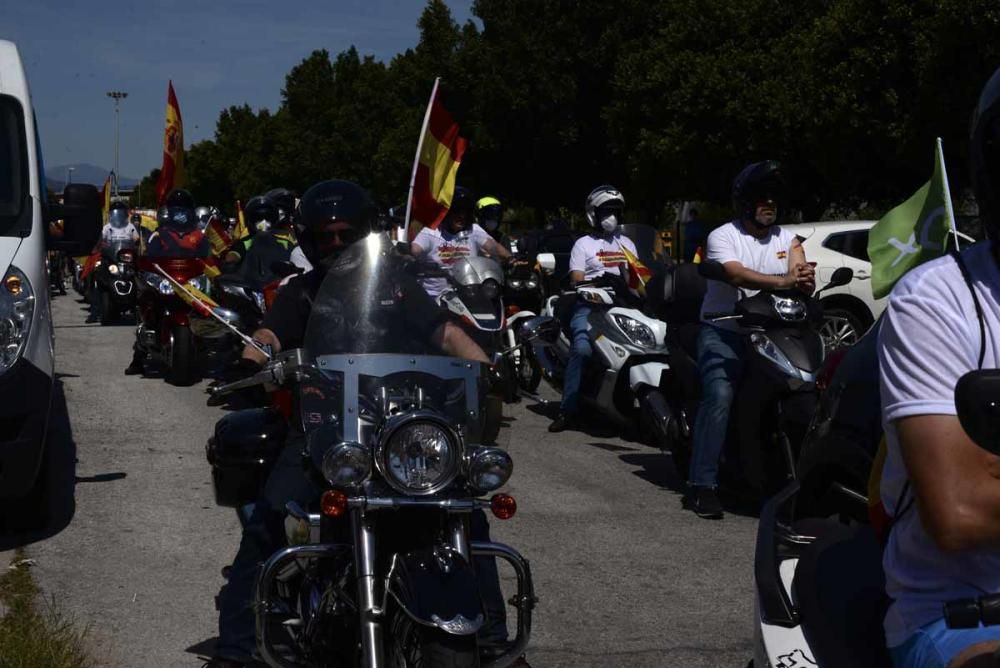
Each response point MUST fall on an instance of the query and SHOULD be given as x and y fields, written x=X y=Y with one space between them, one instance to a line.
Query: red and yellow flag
x=438 y=158
x=106 y=195
x=638 y=273
x=172 y=171
x=241 y=231
x=217 y=236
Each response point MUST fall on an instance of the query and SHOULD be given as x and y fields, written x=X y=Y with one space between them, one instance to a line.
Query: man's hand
x=801 y=276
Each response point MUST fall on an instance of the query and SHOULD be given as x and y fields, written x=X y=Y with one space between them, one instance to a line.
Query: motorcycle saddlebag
x=241 y=452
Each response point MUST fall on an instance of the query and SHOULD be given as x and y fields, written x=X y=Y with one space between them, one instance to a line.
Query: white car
x=26 y=334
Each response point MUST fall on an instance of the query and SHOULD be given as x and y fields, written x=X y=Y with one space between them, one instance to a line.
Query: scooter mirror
x=712 y=270
x=540 y=327
x=841 y=276
x=977 y=398
x=547 y=262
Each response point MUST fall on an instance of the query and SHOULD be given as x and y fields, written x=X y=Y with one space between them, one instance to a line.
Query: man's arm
x=416 y=250
x=799 y=275
x=797 y=259
x=451 y=340
x=954 y=481
x=496 y=249
x=576 y=277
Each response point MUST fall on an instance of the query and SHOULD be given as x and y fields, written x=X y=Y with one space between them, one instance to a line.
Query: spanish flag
x=217 y=237
x=439 y=155
x=172 y=171
x=241 y=231
x=106 y=195
x=638 y=273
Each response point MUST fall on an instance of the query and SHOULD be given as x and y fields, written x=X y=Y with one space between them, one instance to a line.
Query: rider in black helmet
x=332 y=217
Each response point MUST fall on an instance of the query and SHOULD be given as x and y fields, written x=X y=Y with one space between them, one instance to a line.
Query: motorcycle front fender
x=647 y=373
x=437 y=587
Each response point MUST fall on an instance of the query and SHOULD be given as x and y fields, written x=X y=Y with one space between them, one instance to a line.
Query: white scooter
x=623 y=378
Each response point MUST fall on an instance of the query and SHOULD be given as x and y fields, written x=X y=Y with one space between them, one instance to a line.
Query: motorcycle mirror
x=977 y=398
x=712 y=270
x=540 y=327
x=547 y=262
x=842 y=276
x=284 y=269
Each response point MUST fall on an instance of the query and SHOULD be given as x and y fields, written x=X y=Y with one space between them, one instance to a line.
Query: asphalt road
x=134 y=552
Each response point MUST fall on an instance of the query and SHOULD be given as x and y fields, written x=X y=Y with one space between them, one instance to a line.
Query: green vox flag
x=913 y=232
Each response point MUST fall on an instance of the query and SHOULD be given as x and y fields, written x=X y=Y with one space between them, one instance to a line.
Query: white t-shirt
x=443 y=248
x=929 y=338
x=594 y=255
x=111 y=234
x=729 y=243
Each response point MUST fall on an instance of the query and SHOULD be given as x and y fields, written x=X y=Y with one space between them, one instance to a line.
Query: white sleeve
x=721 y=245
x=578 y=256
x=924 y=346
x=480 y=235
x=425 y=239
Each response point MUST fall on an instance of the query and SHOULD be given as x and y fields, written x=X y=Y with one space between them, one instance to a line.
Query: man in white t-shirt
x=593 y=255
x=118 y=230
x=941 y=489
x=455 y=238
x=756 y=255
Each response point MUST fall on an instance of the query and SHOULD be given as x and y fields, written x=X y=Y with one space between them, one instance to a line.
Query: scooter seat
x=839 y=590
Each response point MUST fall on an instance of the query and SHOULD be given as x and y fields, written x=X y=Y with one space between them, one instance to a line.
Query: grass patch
x=33 y=635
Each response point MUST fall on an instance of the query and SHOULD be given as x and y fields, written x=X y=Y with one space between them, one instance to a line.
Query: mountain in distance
x=83 y=173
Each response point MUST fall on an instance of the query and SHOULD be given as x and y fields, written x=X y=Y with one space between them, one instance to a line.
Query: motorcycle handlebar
x=721 y=316
x=969 y=613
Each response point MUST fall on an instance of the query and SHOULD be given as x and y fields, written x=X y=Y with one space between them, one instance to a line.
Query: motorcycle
x=175 y=334
x=777 y=396
x=523 y=297
x=381 y=571
x=624 y=378
x=114 y=280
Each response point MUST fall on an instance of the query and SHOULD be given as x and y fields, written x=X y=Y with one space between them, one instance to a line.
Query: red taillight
x=512 y=309
x=830 y=365
x=333 y=503
x=503 y=506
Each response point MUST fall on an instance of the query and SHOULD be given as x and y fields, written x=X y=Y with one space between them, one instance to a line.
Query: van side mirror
x=81 y=216
x=546 y=262
x=977 y=398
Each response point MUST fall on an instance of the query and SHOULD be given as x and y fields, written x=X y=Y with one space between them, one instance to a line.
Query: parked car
x=26 y=336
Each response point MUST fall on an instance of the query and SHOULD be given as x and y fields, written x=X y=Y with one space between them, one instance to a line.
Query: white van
x=26 y=334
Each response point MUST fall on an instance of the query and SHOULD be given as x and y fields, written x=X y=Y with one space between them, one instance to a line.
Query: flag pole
x=949 y=210
x=416 y=159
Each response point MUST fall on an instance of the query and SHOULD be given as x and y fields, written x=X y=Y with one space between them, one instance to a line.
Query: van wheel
x=183 y=357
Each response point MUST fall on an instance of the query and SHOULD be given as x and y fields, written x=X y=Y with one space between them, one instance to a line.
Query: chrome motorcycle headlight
x=490 y=469
x=515 y=283
x=637 y=332
x=113 y=269
x=157 y=282
x=418 y=453
x=767 y=348
x=491 y=288
x=346 y=465
x=199 y=283
x=17 y=308
x=532 y=283
x=789 y=308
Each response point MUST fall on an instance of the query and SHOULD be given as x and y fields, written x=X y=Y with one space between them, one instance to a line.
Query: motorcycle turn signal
x=333 y=503
x=503 y=506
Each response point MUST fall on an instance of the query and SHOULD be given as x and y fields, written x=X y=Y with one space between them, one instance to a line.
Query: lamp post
x=69 y=175
x=117 y=96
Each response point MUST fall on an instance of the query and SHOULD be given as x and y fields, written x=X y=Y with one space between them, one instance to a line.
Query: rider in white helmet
x=593 y=255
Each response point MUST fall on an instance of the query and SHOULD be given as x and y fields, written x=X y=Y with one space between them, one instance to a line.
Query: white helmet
x=611 y=201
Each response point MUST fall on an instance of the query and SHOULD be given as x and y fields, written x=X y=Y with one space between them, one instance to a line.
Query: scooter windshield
x=366 y=379
x=110 y=249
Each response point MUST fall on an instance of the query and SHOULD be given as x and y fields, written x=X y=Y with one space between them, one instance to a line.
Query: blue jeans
x=720 y=363
x=579 y=353
x=264 y=534
x=935 y=645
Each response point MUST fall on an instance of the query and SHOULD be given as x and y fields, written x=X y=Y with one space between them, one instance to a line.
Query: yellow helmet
x=487 y=201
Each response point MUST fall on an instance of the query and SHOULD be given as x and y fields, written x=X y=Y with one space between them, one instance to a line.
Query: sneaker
x=562 y=422
x=704 y=502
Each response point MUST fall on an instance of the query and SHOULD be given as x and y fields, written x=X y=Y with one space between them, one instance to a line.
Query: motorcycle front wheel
x=183 y=360
x=413 y=645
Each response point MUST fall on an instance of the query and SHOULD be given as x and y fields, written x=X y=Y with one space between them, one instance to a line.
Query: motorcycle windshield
x=364 y=378
x=110 y=249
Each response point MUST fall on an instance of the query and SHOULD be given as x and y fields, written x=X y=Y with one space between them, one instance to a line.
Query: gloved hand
x=238 y=370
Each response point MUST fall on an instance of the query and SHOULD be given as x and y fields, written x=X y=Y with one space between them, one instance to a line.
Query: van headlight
x=490 y=469
x=17 y=308
x=637 y=332
x=418 y=453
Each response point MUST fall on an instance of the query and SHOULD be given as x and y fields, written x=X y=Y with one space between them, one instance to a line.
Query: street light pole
x=69 y=175
x=117 y=96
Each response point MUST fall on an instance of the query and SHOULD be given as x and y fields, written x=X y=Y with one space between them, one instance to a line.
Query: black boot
x=137 y=365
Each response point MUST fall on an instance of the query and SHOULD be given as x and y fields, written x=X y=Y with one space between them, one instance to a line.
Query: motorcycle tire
x=108 y=311
x=417 y=646
x=183 y=358
x=529 y=373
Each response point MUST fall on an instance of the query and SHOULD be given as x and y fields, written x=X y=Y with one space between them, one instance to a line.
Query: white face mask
x=262 y=226
x=609 y=223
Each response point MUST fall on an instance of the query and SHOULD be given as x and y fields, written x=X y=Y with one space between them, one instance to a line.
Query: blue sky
x=217 y=52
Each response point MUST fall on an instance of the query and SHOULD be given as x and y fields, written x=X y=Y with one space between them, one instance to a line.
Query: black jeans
x=264 y=534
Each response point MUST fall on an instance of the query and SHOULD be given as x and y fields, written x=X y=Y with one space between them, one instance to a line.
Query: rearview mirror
x=540 y=327
x=284 y=269
x=81 y=216
x=712 y=270
x=841 y=276
x=977 y=398
x=546 y=262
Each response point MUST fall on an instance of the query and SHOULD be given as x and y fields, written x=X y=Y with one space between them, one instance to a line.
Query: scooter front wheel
x=183 y=358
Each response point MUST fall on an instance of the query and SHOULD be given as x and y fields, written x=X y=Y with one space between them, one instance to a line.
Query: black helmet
x=180 y=209
x=284 y=199
x=332 y=201
x=260 y=214
x=984 y=155
x=760 y=181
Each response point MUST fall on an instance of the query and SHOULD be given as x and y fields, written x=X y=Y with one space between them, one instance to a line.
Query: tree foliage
x=665 y=98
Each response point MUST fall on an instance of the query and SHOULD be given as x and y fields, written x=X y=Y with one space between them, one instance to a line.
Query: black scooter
x=777 y=396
